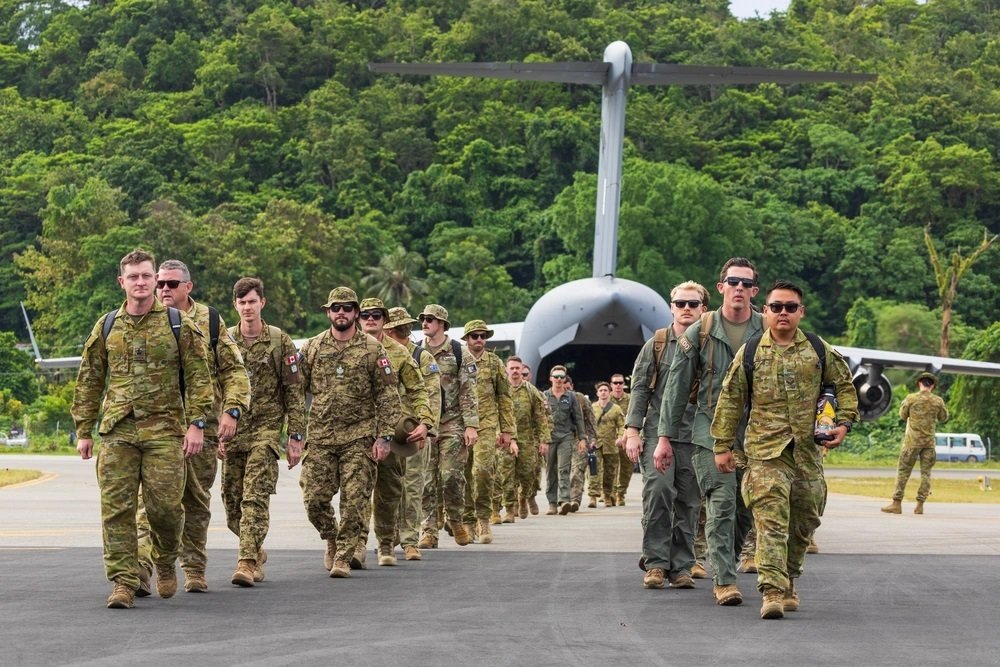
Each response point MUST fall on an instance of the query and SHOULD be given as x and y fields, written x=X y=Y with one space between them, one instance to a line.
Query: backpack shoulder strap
x=109 y=322
x=749 y=352
x=417 y=350
x=174 y=317
x=277 y=350
x=213 y=326
x=820 y=349
x=659 y=344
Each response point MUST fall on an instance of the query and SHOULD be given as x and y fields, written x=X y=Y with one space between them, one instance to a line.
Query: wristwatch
x=234 y=413
x=386 y=439
x=847 y=424
x=200 y=423
x=295 y=436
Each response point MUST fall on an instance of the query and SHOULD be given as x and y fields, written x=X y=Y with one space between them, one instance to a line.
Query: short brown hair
x=516 y=358
x=602 y=383
x=738 y=261
x=137 y=256
x=246 y=285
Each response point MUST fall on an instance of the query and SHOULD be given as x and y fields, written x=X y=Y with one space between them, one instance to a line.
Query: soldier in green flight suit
x=148 y=424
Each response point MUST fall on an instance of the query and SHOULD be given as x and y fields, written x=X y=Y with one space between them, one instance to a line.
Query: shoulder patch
x=434 y=368
x=684 y=343
x=472 y=368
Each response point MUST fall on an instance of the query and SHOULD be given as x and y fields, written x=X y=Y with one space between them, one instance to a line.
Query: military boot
x=166 y=580
x=194 y=581
x=243 y=576
x=508 y=514
x=791 y=599
x=386 y=556
x=698 y=571
x=428 y=540
x=358 y=559
x=495 y=519
x=461 y=535
x=122 y=597
x=812 y=548
x=522 y=507
x=330 y=555
x=919 y=509
x=258 y=571
x=341 y=569
x=532 y=506
x=411 y=552
x=485 y=533
x=748 y=564
x=895 y=507
x=473 y=530
x=654 y=578
x=145 y=576
x=552 y=509
x=620 y=500
x=773 y=605
x=727 y=595
x=593 y=502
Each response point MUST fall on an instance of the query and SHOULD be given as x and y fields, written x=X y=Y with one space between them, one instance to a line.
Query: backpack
x=750 y=351
x=704 y=336
x=277 y=353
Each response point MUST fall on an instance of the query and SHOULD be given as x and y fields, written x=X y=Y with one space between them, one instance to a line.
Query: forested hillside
x=249 y=138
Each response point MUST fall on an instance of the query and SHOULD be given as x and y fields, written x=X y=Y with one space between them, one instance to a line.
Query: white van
x=959 y=447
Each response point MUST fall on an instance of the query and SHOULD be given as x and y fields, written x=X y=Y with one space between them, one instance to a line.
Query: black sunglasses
x=733 y=282
x=172 y=284
x=778 y=307
x=426 y=318
x=617 y=382
x=682 y=303
x=370 y=314
x=346 y=307
x=478 y=336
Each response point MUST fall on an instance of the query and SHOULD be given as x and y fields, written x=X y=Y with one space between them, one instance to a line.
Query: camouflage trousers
x=123 y=464
x=480 y=471
x=557 y=469
x=603 y=482
x=727 y=519
x=538 y=474
x=249 y=478
x=384 y=504
x=350 y=470
x=197 y=501
x=786 y=508
x=908 y=456
x=521 y=478
x=578 y=470
x=448 y=458
x=625 y=468
x=505 y=481
x=413 y=491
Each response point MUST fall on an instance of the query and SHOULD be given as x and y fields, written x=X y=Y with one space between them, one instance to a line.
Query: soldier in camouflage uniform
x=568 y=435
x=496 y=428
x=620 y=397
x=148 y=425
x=232 y=397
x=532 y=505
x=518 y=472
x=783 y=485
x=354 y=413
x=922 y=411
x=610 y=427
x=398 y=328
x=250 y=460
x=457 y=429
x=700 y=362
x=415 y=403
x=578 y=465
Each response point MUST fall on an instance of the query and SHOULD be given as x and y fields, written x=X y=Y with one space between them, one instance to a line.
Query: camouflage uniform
x=610 y=427
x=533 y=428
x=670 y=500
x=232 y=390
x=578 y=465
x=921 y=410
x=784 y=485
x=567 y=429
x=142 y=427
x=625 y=465
x=354 y=401
x=496 y=415
x=728 y=519
x=459 y=410
x=250 y=469
x=415 y=476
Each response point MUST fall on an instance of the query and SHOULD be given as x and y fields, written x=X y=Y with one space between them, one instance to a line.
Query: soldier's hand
x=194 y=440
x=380 y=450
x=220 y=453
x=86 y=448
x=418 y=434
x=581 y=447
x=543 y=448
x=293 y=452
x=504 y=440
x=839 y=433
x=663 y=455
x=620 y=442
x=633 y=447
x=513 y=448
x=471 y=436
x=227 y=427
x=725 y=462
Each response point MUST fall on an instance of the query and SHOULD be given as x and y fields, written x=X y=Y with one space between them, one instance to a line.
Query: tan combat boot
x=919 y=509
x=122 y=597
x=341 y=569
x=791 y=599
x=386 y=556
x=681 y=580
x=609 y=501
x=532 y=506
x=812 y=548
x=243 y=576
x=473 y=530
x=593 y=502
x=552 y=509
x=495 y=519
x=166 y=580
x=748 y=564
x=620 y=500
x=522 y=507
x=698 y=571
x=773 y=605
x=145 y=576
x=330 y=555
x=358 y=559
x=258 y=571
x=654 y=578
x=485 y=533
x=410 y=552
x=727 y=595
x=508 y=514
x=895 y=507
x=460 y=533
x=428 y=540
x=194 y=582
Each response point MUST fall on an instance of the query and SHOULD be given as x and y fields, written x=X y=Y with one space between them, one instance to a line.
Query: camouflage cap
x=373 y=303
x=397 y=318
x=926 y=375
x=476 y=325
x=341 y=295
x=437 y=311
x=399 y=445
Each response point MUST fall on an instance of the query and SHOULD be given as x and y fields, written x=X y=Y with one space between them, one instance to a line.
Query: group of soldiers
x=446 y=435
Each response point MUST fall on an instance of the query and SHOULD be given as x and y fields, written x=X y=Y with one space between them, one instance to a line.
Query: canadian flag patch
x=292 y=358
x=383 y=362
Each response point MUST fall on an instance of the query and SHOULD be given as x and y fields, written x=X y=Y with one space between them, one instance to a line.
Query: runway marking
x=46 y=477
x=32 y=548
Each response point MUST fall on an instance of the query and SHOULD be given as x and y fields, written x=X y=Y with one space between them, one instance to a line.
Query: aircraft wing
x=859 y=356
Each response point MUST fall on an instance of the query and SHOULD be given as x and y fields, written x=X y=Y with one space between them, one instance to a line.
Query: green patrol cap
x=928 y=376
x=436 y=311
x=373 y=303
x=397 y=318
x=476 y=325
x=399 y=445
x=341 y=295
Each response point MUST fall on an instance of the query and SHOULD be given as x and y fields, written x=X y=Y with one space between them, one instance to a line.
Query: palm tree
x=394 y=279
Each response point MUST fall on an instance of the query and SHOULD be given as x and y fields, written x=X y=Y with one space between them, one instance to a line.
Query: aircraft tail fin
x=31 y=333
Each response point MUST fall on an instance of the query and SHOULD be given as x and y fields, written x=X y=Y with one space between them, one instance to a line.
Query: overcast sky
x=747 y=8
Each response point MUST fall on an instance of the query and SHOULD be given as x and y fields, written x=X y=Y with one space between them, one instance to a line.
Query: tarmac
x=550 y=590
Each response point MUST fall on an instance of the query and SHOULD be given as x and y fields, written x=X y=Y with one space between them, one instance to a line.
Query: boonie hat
x=476 y=325
x=373 y=303
x=399 y=445
x=397 y=318
x=436 y=311
x=341 y=295
x=928 y=376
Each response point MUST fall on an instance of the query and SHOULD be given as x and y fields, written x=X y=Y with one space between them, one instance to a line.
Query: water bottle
x=826 y=415
x=592 y=460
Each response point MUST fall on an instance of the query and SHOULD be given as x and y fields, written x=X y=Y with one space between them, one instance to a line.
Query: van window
x=957 y=442
x=976 y=443
x=941 y=441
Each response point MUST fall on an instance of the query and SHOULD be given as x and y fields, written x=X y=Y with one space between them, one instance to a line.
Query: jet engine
x=874 y=392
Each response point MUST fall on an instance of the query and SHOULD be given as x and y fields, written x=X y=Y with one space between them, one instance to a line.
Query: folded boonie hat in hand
x=399 y=445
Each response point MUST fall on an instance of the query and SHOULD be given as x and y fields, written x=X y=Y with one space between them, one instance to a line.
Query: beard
x=343 y=325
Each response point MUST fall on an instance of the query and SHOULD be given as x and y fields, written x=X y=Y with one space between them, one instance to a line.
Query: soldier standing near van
x=922 y=410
